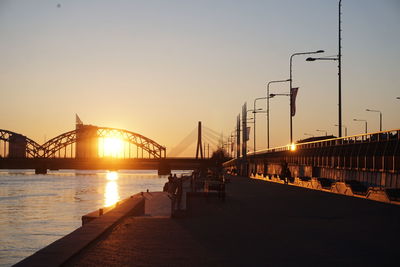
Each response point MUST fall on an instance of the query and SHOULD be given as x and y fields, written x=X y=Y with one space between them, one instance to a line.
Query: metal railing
x=353 y=139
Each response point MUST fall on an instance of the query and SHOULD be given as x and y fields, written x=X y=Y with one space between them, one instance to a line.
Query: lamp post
x=254 y=116
x=366 y=124
x=273 y=95
x=277 y=81
x=326 y=132
x=291 y=86
x=339 y=59
x=380 y=117
x=233 y=137
x=345 y=129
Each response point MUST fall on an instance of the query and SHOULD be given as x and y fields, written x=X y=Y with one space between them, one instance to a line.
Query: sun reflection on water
x=111 y=194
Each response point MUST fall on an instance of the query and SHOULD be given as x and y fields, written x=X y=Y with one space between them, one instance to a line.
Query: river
x=36 y=210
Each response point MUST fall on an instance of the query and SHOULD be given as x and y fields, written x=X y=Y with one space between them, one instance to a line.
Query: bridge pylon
x=199 y=148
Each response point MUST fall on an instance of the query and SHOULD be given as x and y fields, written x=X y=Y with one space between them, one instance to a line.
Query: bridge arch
x=84 y=134
x=19 y=146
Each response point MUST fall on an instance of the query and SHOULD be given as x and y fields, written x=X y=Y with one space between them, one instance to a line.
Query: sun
x=111 y=147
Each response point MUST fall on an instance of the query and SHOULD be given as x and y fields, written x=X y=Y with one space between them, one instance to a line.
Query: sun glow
x=111 y=147
x=111 y=194
x=293 y=147
x=112 y=176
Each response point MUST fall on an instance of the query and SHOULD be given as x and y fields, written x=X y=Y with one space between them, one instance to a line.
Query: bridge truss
x=7 y=137
x=64 y=145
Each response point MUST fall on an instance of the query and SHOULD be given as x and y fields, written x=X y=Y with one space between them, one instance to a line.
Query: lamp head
x=367 y=109
x=272 y=95
x=310 y=59
x=320 y=51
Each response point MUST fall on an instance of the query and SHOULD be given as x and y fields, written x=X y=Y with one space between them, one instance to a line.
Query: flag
x=293 y=94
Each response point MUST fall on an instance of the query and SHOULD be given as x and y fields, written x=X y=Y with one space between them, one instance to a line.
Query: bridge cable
x=184 y=144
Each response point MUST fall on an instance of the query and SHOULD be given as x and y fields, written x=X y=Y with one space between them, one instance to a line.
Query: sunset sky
x=159 y=67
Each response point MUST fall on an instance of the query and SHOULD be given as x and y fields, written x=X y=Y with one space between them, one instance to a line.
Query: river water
x=36 y=210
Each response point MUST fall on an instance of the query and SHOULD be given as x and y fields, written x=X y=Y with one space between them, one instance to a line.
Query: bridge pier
x=41 y=171
x=164 y=168
x=164 y=171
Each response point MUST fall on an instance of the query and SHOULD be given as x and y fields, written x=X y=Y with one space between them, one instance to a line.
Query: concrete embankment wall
x=337 y=187
x=365 y=177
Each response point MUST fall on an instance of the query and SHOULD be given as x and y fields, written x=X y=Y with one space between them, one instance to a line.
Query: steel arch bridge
x=31 y=148
x=51 y=147
x=61 y=142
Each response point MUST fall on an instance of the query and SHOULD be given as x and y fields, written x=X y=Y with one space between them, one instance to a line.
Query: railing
x=360 y=138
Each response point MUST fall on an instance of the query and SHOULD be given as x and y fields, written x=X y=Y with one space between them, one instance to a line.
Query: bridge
x=90 y=147
x=358 y=162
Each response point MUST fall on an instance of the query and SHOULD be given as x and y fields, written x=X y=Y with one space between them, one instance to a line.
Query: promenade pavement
x=259 y=224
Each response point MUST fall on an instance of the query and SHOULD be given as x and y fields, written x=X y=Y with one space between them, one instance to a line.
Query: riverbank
x=260 y=223
x=37 y=210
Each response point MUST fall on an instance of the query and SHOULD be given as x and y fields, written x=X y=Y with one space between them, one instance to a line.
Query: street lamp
x=291 y=86
x=273 y=95
x=277 y=81
x=254 y=116
x=250 y=120
x=339 y=59
x=366 y=124
x=345 y=129
x=326 y=132
x=380 y=117
x=340 y=86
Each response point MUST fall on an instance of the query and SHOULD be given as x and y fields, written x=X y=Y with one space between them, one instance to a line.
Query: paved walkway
x=259 y=224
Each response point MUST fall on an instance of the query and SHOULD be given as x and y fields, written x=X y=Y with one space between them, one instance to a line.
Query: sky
x=158 y=67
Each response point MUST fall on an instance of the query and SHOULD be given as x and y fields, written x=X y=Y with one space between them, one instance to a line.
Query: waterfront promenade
x=260 y=224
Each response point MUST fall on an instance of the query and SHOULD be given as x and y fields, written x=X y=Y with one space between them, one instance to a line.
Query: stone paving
x=259 y=224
